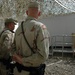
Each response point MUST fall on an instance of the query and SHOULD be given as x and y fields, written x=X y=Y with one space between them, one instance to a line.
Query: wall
x=60 y=25
x=57 y=25
x=1 y=24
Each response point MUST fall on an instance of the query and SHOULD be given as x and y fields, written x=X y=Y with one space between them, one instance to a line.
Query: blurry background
x=58 y=15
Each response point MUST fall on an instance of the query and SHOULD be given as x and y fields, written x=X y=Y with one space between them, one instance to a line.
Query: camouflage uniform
x=6 y=40
x=38 y=38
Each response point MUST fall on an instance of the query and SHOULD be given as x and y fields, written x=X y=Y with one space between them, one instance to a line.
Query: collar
x=30 y=18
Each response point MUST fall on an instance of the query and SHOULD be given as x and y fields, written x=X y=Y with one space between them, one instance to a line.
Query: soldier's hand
x=17 y=58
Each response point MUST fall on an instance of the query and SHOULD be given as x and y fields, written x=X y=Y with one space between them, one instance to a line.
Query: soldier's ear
x=27 y=12
x=39 y=13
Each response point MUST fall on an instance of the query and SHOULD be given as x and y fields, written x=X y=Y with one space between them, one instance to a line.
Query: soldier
x=37 y=36
x=6 y=40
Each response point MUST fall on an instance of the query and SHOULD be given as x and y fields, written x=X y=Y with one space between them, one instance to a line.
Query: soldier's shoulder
x=7 y=32
x=41 y=25
x=38 y=23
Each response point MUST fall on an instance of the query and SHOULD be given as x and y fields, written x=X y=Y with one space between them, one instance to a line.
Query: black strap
x=25 y=37
x=1 y=33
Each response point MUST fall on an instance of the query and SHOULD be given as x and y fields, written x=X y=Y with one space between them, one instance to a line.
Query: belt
x=20 y=67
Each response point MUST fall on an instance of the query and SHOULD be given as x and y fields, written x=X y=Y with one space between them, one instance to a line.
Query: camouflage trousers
x=3 y=70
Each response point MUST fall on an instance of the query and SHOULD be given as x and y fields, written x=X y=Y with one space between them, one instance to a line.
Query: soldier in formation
x=34 y=51
x=6 y=41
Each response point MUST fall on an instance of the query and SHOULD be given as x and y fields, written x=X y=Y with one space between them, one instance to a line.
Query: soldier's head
x=10 y=23
x=33 y=9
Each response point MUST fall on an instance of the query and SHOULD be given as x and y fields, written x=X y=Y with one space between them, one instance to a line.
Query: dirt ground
x=57 y=65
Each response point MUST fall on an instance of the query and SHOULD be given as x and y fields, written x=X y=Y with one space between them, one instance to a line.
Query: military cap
x=34 y=4
x=10 y=20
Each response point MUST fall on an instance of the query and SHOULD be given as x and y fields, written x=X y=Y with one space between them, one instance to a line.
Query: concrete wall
x=1 y=24
x=59 y=25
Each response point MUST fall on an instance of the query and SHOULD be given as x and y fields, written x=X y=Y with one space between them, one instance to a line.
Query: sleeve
x=43 y=42
x=7 y=41
x=6 y=44
x=42 y=48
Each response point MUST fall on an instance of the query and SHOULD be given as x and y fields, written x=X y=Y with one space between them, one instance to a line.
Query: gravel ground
x=60 y=66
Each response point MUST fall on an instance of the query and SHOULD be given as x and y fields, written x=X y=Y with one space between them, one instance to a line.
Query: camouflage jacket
x=6 y=40
x=37 y=37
